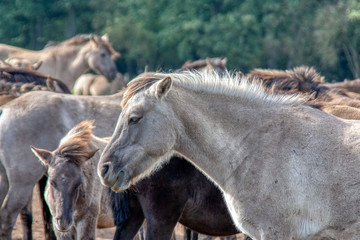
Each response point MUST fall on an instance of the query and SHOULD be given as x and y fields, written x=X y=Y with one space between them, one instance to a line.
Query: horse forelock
x=229 y=84
x=143 y=81
x=76 y=144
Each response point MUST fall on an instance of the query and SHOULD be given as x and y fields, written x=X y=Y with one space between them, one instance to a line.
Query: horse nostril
x=104 y=170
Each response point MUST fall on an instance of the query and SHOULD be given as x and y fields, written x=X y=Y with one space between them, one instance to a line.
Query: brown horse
x=77 y=200
x=69 y=59
x=339 y=99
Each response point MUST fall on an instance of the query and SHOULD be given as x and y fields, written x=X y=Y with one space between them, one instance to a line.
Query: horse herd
x=260 y=155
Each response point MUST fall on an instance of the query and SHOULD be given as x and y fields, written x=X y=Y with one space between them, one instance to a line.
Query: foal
x=77 y=200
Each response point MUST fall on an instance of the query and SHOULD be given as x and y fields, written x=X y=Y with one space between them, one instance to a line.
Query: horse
x=77 y=200
x=91 y=84
x=286 y=170
x=41 y=118
x=200 y=206
x=69 y=59
x=208 y=65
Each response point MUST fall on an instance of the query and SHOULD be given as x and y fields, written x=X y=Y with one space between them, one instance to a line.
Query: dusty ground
x=102 y=234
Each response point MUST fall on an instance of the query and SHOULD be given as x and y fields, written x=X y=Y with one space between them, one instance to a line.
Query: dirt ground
x=102 y=234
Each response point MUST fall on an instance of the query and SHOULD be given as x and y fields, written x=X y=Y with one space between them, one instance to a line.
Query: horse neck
x=70 y=61
x=216 y=126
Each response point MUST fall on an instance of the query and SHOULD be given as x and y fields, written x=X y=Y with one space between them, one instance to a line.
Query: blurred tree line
x=163 y=34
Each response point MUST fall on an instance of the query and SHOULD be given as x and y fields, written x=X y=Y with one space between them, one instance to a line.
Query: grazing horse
x=77 y=200
x=69 y=59
x=41 y=119
x=287 y=171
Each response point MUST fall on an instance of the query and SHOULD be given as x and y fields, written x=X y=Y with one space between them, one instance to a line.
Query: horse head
x=101 y=57
x=66 y=181
x=133 y=152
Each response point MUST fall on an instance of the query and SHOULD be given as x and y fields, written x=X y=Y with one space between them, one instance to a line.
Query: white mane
x=232 y=85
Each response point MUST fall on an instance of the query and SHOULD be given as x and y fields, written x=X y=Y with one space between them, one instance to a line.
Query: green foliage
x=163 y=34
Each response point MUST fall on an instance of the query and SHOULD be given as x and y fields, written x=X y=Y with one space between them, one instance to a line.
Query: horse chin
x=121 y=186
x=61 y=228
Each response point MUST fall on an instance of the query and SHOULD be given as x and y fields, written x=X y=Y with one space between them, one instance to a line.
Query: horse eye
x=134 y=120
x=102 y=54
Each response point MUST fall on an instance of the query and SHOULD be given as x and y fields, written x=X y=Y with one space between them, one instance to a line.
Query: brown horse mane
x=76 y=144
x=301 y=78
x=84 y=38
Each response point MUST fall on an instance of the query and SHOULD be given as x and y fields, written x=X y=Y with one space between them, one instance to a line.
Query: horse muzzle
x=117 y=181
x=63 y=225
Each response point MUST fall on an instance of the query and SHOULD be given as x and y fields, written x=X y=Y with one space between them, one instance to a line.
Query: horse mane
x=76 y=144
x=76 y=40
x=230 y=84
x=84 y=38
x=119 y=202
x=303 y=78
x=18 y=76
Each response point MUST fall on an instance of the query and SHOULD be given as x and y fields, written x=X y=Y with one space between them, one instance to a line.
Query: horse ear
x=36 y=65
x=224 y=61
x=105 y=37
x=45 y=156
x=93 y=39
x=163 y=87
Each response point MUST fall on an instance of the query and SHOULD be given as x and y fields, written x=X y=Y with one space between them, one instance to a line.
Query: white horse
x=287 y=171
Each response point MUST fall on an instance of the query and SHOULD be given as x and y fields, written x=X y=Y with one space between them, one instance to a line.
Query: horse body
x=287 y=171
x=68 y=60
x=41 y=119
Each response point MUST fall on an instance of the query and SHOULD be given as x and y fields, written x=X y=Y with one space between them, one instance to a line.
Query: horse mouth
x=62 y=228
x=117 y=181
x=121 y=186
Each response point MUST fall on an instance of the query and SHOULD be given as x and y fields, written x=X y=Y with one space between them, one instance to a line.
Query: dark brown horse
x=176 y=193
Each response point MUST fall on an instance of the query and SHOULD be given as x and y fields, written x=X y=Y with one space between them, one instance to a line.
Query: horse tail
x=62 y=85
x=120 y=206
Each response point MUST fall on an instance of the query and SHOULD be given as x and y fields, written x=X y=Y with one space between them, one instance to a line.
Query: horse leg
x=11 y=207
x=128 y=228
x=49 y=230
x=26 y=218
x=161 y=226
x=4 y=184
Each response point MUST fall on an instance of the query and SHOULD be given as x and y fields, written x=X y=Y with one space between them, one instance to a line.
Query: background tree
x=163 y=34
